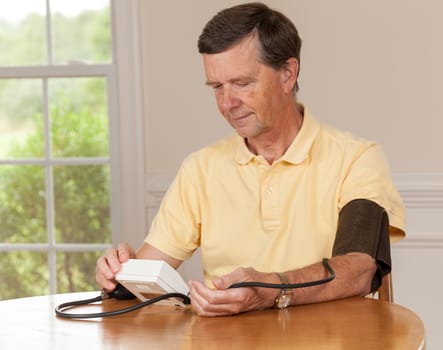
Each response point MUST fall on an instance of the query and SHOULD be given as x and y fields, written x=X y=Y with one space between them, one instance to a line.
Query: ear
x=289 y=74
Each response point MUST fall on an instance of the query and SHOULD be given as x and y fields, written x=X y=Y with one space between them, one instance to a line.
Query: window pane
x=23 y=274
x=79 y=117
x=44 y=123
x=81 y=31
x=82 y=213
x=76 y=271
x=22 y=209
x=23 y=33
x=21 y=119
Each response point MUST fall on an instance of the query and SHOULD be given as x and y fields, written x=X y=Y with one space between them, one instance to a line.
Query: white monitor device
x=147 y=279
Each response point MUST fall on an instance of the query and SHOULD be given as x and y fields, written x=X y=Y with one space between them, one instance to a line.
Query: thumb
x=220 y=283
x=225 y=281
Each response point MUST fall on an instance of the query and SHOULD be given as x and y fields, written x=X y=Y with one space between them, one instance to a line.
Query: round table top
x=354 y=323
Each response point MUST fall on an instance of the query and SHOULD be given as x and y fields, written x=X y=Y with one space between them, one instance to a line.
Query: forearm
x=147 y=251
x=354 y=273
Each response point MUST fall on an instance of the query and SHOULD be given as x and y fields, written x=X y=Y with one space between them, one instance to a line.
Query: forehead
x=239 y=60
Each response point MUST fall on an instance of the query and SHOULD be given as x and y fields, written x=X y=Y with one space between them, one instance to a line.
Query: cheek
x=259 y=100
x=273 y=96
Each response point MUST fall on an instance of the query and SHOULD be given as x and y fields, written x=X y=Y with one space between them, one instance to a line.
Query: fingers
x=213 y=302
x=104 y=275
x=125 y=252
x=225 y=301
x=109 y=265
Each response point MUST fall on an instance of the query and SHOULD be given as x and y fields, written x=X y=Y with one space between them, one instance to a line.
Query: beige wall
x=180 y=109
x=372 y=67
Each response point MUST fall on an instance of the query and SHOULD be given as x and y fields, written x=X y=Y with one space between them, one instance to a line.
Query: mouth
x=238 y=118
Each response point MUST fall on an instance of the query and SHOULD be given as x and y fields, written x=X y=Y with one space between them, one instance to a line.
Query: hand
x=109 y=265
x=223 y=301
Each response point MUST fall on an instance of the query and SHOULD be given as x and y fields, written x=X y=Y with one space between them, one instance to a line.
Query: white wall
x=372 y=67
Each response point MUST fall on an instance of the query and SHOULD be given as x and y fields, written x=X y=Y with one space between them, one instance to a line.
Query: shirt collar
x=299 y=149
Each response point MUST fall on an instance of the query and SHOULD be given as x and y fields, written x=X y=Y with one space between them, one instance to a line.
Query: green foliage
x=78 y=100
x=22 y=209
x=23 y=274
x=76 y=271
x=81 y=197
x=32 y=31
x=20 y=99
x=85 y=37
x=79 y=129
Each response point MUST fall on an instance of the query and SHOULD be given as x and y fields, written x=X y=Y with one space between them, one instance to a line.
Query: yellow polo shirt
x=244 y=212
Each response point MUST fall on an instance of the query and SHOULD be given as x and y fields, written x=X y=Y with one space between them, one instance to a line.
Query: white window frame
x=132 y=225
x=126 y=133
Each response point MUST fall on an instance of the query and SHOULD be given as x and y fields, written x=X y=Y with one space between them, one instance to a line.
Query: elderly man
x=270 y=202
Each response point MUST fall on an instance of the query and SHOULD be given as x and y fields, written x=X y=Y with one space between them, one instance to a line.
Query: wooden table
x=355 y=323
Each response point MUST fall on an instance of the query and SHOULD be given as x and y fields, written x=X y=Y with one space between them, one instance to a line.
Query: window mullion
x=49 y=33
x=49 y=184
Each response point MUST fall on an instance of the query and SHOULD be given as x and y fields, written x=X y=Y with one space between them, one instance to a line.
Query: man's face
x=249 y=94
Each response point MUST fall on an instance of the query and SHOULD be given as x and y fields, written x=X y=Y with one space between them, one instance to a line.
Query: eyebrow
x=234 y=80
x=211 y=83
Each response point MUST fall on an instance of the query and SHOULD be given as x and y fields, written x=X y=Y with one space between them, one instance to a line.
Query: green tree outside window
x=79 y=128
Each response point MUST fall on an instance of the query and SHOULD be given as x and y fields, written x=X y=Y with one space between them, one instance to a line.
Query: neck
x=273 y=145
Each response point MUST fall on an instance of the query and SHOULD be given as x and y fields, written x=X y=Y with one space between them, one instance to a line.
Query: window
x=62 y=184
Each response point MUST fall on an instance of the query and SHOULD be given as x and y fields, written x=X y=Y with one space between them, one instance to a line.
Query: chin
x=246 y=131
x=242 y=132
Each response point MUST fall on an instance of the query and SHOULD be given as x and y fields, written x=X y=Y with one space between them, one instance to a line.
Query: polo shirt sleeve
x=175 y=229
x=368 y=177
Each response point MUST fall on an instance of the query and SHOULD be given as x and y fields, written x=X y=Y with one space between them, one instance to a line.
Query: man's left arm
x=354 y=275
x=360 y=258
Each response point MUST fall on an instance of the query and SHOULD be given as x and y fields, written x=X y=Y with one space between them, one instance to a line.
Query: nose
x=228 y=100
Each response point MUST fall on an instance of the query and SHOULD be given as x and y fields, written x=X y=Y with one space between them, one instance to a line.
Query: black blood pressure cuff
x=363 y=226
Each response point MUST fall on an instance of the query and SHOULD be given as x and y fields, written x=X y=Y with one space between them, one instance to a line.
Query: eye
x=216 y=86
x=244 y=84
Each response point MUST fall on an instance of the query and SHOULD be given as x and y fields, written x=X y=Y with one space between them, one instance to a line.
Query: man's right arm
x=110 y=263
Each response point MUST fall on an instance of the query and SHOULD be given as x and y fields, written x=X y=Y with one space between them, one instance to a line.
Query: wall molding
x=434 y=241
x=418 y=190
x=157 y=185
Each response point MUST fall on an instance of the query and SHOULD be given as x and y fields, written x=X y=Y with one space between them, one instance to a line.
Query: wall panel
x=371 y=67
